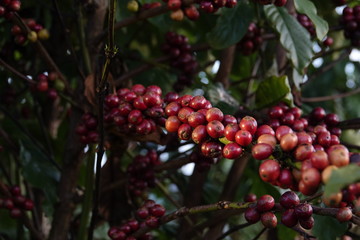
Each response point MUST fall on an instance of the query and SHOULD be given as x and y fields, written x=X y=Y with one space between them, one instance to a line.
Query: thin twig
x=110 y=52
x=234 y=229
x=331 y=97
x=16 y=73
x=259 y=234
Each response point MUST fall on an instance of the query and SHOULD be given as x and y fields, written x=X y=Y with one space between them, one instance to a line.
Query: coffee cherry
x=215 y=129
x=303 y=210
x=319 y=160
x=252 y=215
x=289 y=218
x=288 y=142
x=261 y=151
x=265 y=203
x=307 y=223
x=174 y=4
x=264 y=129
x=338 y=155
x=214 y=114
x=28 y=205
x=282 y=131
x=269 y=170
x=172 y=124
x=157 y=210
x=285 y=179
x=211 y=149
x=229 y=119
x=269 y=220
x=195 y=119
x=184 y=132
x=311 y=177
x=250 y=197
x=232 y=151
x=318 y=114
x=15 y=190
x=248 y=124
x=142 y=213
x=199 y=134
x=275 y=112
x=230 y=131
x=267 y=139
x=191 y=12
x=289 y=199
x=243 y=138
x=344 y=214
x=152 y=222
x=333 y=200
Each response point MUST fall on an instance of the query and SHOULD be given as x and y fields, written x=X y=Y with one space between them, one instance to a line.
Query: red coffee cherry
x=289 y=200
x=269 y=220
x=269 y=170
x=265 y=203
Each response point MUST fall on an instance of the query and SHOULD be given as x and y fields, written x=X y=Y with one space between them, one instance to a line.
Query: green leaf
x=328 y=228
x=308 y=8
x=39 y=172
x=273 y=90
x=231 y=26
x=293 y=37
x=342 y=177
x=285 y=233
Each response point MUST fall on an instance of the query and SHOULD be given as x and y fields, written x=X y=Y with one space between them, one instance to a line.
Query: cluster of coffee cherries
x=179 y=8
x=150 y=212
x=193 y=117
x=136 y=110
x=182 y=58
x=43 y=82
x=278 y=3
x=306 y=154
x=86 y=129
x=141 y=174
x=295 y=212
x=17 y=203
x=347 y=197
x=251 y=41
x=37 y=31
x=306 y=23
x=350 y=20
x=8 y=7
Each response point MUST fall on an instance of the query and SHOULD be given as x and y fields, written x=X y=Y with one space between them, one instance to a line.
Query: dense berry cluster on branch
x=182 y=59
x=141 y=174
x=136 y=110
x=251 y=41
x=351 y=22
x=147 y=215
x=17 y=203
x=8 y=7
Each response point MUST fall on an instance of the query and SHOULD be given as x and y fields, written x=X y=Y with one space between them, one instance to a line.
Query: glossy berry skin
x=289 y=199
x=303 y=211
x=142 y=213
x=196 y=118
x=265 y=203
x=199 y=134
x=281 y=131
x=243 y=138
x=184 y=113
x=250 y=197
x=285 y=179
x=184 y=132
x=215 y=129
x=112 y=101
x=307 y=223
x=198 y=102
x=344 y=214
x=269 y=220
x=248 y=124
x=289 y=218
x=230 y=131
x=214 y=114
x=211 y=149
x=269 y=170
x=267 y=139
x=172 y=109
x=318 y=114
x=276 y=112
x=28 y=205
x=319 y=160
x=303 y=152
x=338 y=155
x=229 y=119
x=264 y=129
x=311 y=177
x=157 y=210
x=252 y=215
x=288 y=142
x=232 y=151
x=261 y=151
x=172 y=124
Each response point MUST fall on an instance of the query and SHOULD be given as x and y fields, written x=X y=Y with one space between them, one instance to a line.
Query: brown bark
x=226 y=63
